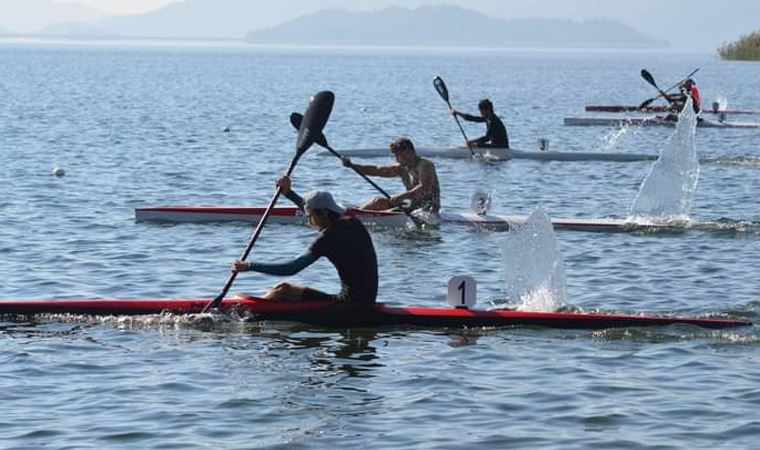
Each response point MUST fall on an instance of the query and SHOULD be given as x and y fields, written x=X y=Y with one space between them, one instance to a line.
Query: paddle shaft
x=321 y=140
x=368 y=179
x=459 y=124
x=259 y=228
x=417 y=222
x=443 y=92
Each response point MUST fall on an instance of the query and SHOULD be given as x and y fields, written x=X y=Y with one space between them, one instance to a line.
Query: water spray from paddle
x=668 y=190
x=534 y=270
x=610 y=140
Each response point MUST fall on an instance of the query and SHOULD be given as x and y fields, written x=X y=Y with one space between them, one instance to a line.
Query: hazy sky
x=687 y=24
x=122 y=6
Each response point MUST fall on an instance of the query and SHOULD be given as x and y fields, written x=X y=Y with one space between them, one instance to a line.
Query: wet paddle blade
x=440 y=86
x=297 y=118
x=649 y=78
x=314 y=120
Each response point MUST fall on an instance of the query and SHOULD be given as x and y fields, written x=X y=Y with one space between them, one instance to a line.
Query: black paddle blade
x=440 y=86
x=648 y=77
x=646 y=102
x=297 y=118
x=314 y=120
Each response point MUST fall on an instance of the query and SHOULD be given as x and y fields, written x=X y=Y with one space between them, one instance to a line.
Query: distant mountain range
x=685 y=24
x=447 y=26
x=394 y=26
x=26 y=16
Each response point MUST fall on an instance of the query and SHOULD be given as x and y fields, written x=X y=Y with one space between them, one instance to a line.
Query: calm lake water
x=142 y=126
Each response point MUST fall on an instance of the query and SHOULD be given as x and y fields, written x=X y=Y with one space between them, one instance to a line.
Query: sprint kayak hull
x=332 y=315
x=662 y=108
x=502 y=154
x=291 y=215
x=650 y=122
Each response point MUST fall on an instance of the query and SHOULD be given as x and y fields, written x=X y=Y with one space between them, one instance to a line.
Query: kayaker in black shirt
x=342 y=240
x=496 y=134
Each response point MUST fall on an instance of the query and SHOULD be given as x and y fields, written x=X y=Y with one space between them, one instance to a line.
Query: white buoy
x=58 y=172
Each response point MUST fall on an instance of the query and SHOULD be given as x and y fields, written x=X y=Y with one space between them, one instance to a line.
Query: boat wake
x=745 y=161
x=216 y=321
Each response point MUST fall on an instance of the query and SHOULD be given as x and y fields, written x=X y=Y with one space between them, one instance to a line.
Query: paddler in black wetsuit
x=343 y=240
x=417 y=174
x=496 y=134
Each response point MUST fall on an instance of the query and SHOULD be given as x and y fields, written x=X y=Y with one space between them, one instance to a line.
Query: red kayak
x=335 y=315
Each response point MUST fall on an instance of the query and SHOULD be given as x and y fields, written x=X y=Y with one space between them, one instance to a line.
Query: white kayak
x=292 y=215
x=501 y=154
x=653 y=121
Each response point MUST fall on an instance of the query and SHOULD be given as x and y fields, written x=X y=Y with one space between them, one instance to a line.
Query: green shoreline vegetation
x=746 y=48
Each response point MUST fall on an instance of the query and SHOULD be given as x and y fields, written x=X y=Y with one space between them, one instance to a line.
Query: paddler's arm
x=288 y=268
x=373 y=171
x=284 y=184
x=467 y=117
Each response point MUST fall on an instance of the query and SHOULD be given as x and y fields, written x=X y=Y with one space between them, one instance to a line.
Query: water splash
x=534 y=270
x=668 y=190
x=610 y=140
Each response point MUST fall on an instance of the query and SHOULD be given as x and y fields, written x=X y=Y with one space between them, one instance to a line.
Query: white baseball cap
x=322 y=200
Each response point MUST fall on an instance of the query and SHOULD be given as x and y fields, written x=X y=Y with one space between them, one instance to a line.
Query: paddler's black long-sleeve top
x=496 y=134
x=347 y=244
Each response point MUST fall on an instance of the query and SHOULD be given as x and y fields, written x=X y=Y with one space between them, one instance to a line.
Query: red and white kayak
x=652 y=121
x=502 y=154
x=662 y=108
x=335 y=315
x=390 y=219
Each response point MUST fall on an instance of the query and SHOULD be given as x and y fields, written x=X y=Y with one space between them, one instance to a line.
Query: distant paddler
x=687 y=89
x=496 y=133
x=342 y=240
x=417 y=174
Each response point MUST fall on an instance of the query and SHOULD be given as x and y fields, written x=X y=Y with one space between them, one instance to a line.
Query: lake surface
x=143 y=126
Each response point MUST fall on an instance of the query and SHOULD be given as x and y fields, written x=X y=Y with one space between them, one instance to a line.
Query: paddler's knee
x=377 y=204
x=285 y=291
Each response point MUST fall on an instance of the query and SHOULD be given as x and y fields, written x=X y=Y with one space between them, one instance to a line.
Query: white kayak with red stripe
x=292 y=215
x=502 y=154
x=663 y=108
x=652 y=121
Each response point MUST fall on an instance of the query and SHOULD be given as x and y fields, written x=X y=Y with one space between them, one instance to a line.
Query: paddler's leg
x=377 y=204
x=285 y=291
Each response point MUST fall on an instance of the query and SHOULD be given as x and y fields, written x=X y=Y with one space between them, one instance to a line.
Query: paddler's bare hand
x=472 y=144
x=240 y=266
x=346 y=161
x=283 y=183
